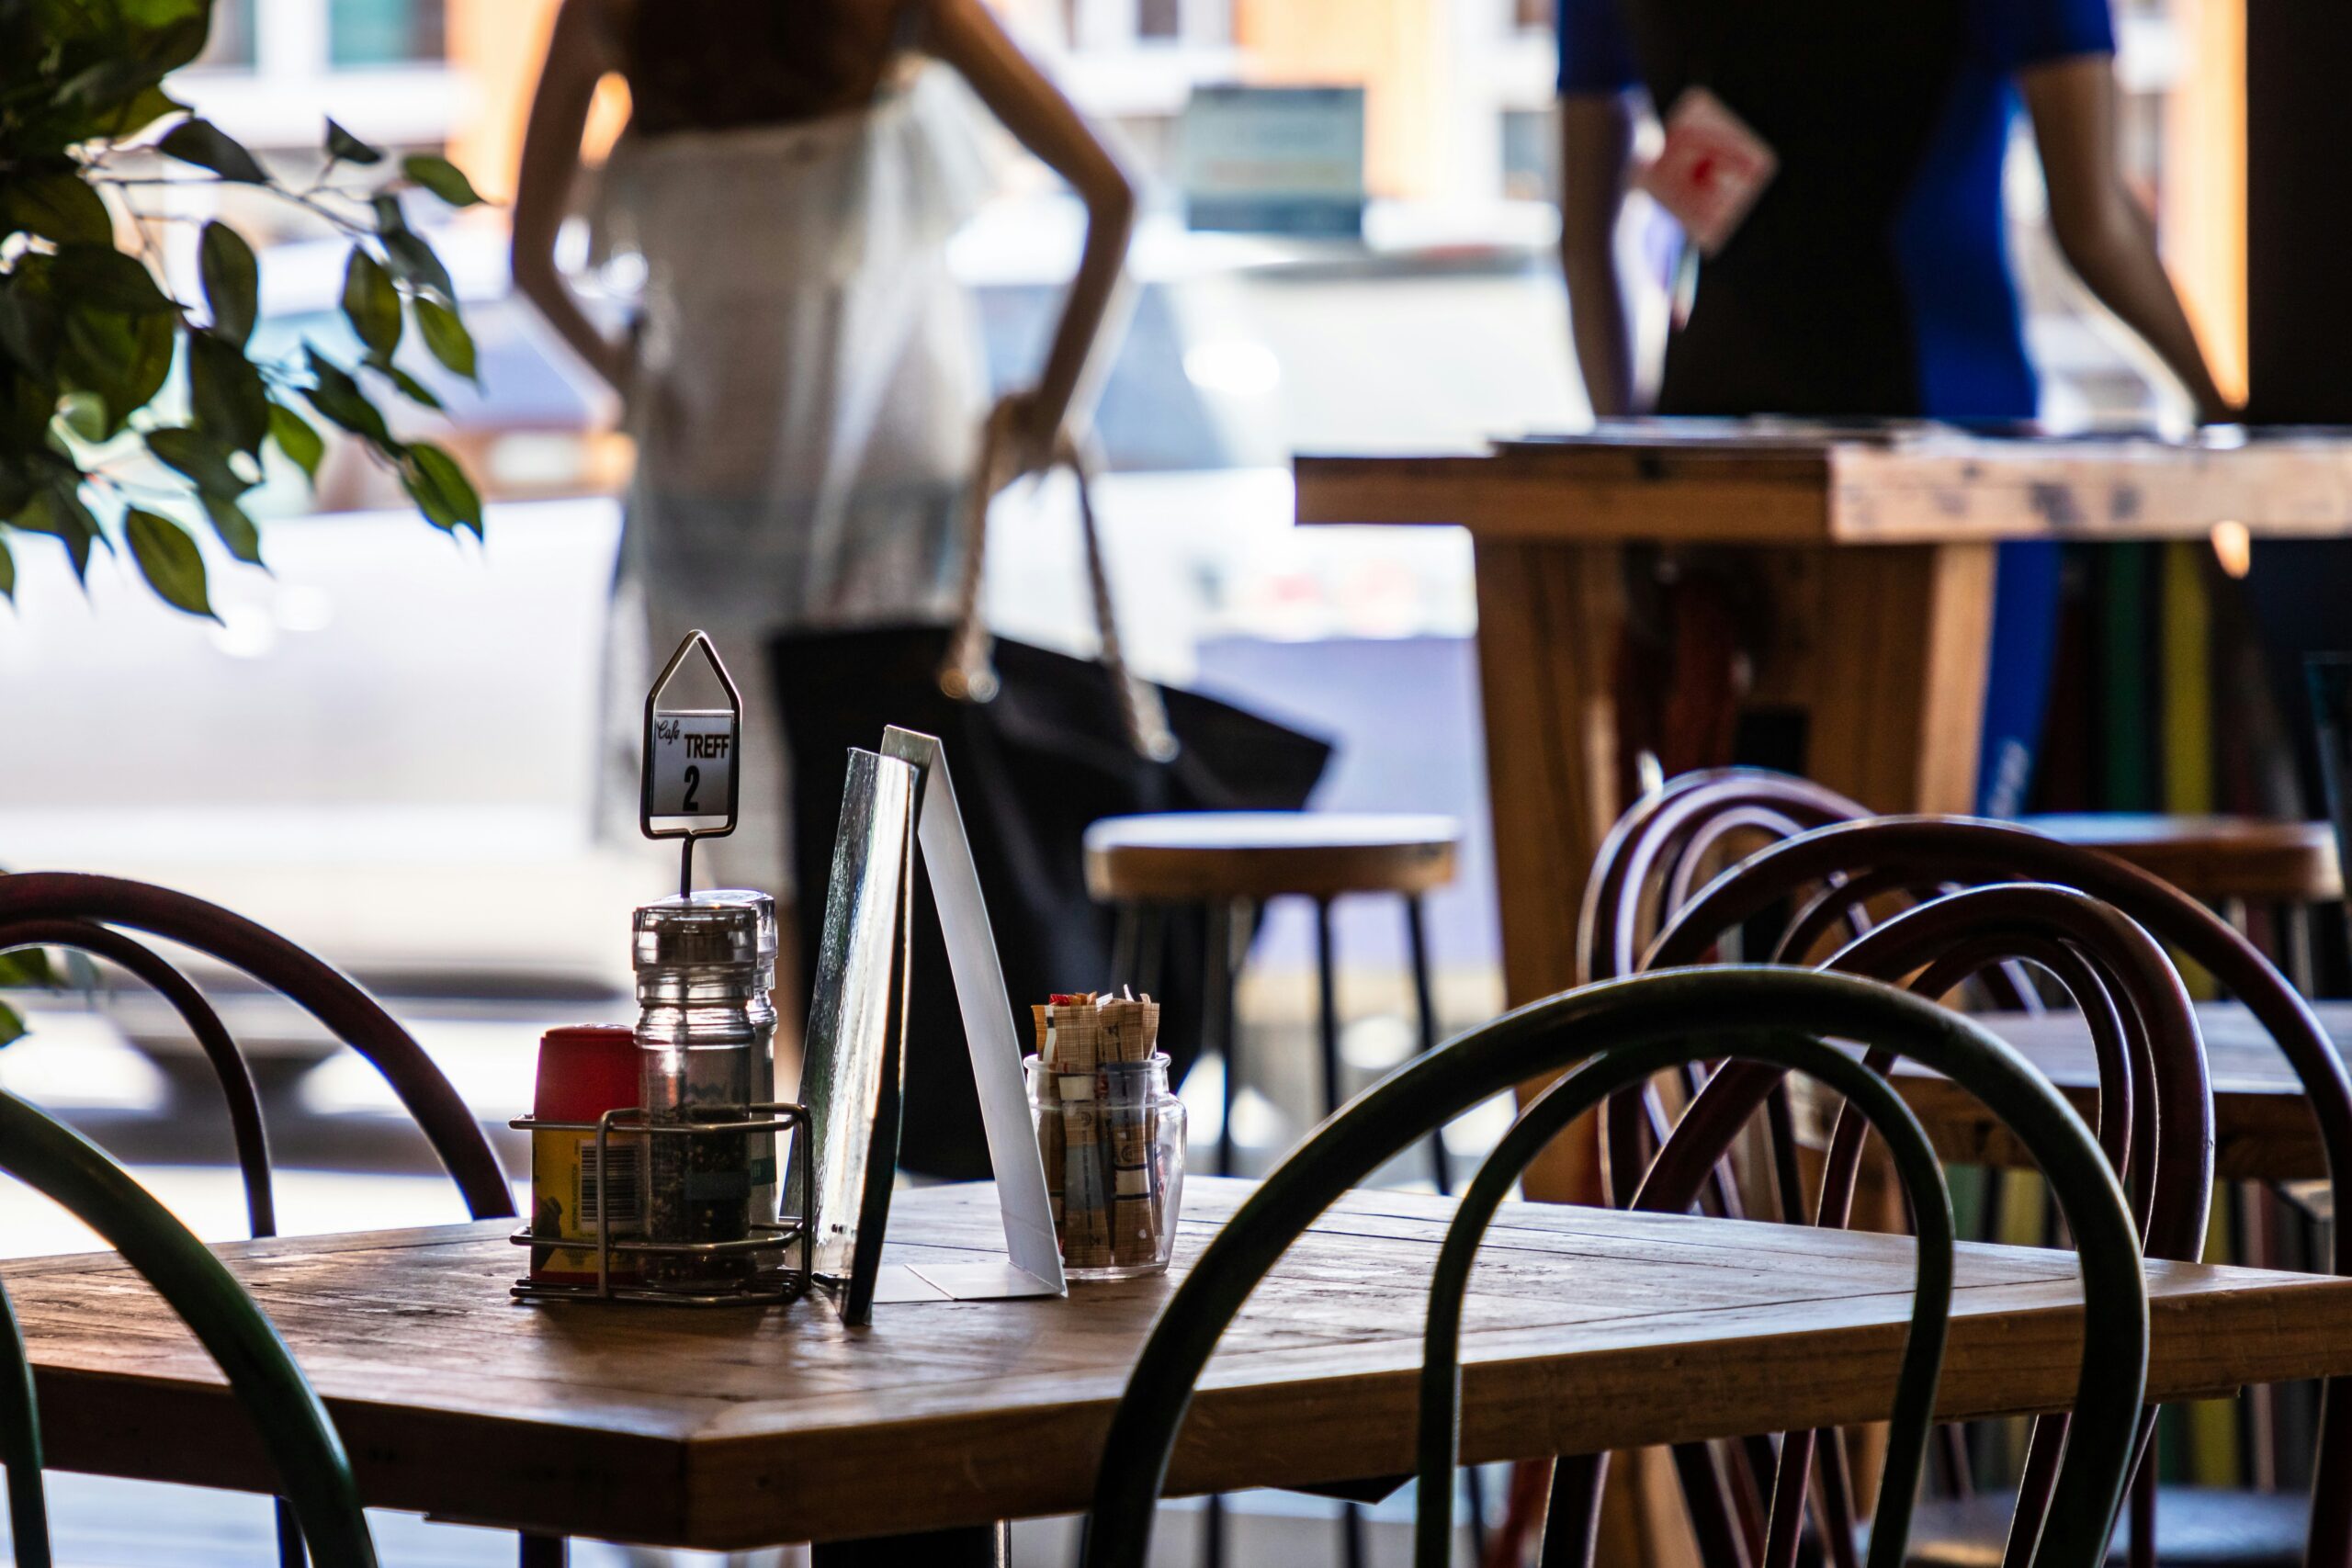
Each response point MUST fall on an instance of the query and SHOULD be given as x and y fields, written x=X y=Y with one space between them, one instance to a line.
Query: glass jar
x=1113 y=1144
x=762 y=1011
x=697 y=967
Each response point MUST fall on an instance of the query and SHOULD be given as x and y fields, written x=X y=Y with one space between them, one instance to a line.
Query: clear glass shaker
x=1114 y=1151
x=764 y=1019
x=698 y=970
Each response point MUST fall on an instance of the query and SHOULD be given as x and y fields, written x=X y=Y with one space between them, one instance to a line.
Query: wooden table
x=1588 y=1330
x=1876 y=557
x=2262 y=1125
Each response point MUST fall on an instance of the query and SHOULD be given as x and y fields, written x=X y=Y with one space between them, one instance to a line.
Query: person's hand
x=1027 y=436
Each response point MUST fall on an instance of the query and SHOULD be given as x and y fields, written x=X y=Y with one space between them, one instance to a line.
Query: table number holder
x=684 y=748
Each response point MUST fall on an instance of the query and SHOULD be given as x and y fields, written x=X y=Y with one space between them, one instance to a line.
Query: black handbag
x=1041 y=745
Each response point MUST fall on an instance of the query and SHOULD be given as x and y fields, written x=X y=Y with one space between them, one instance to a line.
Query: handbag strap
x=968 y=672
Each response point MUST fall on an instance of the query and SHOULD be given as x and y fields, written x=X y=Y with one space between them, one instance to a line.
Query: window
x=385 y=32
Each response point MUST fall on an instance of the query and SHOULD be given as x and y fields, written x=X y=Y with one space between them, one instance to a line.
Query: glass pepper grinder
x=698 y=971
x=764 y=1019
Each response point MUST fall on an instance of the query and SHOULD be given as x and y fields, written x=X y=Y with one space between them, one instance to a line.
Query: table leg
x=1900 y=640
x=1549 y=616
x=974 y=1546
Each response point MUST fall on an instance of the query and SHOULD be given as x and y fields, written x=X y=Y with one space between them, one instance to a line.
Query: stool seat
x=1183 y=856
x=2213 y=858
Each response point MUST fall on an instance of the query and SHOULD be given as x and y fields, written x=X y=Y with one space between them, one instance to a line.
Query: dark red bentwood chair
x=76 y=910
x=1922 y=851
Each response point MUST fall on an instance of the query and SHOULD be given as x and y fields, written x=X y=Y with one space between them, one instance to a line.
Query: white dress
x=806 y=403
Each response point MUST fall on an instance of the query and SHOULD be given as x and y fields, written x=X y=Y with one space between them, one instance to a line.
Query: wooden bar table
x=1587 y=1329
x=1874 y=549
x=2262 y=1126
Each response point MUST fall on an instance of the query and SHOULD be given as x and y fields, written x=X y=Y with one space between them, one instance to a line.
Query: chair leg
x=1327 y=1007
x=1425 y=1015
x=1125 y=941
x=1221 y=1033
x=1327 y=1038
x=291 y=1553
x=1212 y=1532
x=544 y=1551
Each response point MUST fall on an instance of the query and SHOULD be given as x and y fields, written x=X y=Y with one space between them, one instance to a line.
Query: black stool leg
x=1125 y=943
x=1220 y=1033
x=1327 y=1000
x=1425 y=1012
x=1327 y=1036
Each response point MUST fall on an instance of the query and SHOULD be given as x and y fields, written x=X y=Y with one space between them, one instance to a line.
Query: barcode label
x=623 y=1186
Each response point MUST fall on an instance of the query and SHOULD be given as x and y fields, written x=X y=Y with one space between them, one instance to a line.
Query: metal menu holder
x=1035 y=1266
x=854 y=1075
x=855 y=1060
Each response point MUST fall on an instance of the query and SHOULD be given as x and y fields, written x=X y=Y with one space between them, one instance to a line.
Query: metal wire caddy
x=769 y=1283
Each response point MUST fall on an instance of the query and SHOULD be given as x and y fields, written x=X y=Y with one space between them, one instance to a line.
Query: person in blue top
x=1870 y=277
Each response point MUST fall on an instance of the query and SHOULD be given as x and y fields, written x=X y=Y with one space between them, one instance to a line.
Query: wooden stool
x=2230 y=862
x=1229 y=863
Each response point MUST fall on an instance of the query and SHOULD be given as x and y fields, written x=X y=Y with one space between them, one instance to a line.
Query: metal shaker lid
x=762 y=904
x=678 y=931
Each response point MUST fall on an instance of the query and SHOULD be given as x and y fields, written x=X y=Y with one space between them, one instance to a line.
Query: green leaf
x=8 y=573
x=29 y=321
x=142 y=109
x=412 y=259
x=442 y=177
x=295 y=438
x=203 y=460
x=57 y=204
x=231 y=281
x=169 y=561
x=370 y=303
x=85 y=414
x=440 y=489
x=236 y=530
x=124 y=359
x=25 y=968
x=344 y=147
x=56 y=510
x=231 y=403
x=338 y=397
x=447 y=336
x=12 y=1025
x=409 y=387
x=102 y=276
x=205 y=144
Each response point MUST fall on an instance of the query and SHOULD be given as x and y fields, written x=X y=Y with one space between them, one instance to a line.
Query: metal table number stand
x=691 y=787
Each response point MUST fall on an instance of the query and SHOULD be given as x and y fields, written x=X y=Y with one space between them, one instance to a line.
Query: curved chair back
x=1643 y=871
x=319 y=989
x=1736 y=1006
x=1436 y=1451
x=314 y=1472
x=227 y=1062
x=1929 y=851
x=2150 y=1054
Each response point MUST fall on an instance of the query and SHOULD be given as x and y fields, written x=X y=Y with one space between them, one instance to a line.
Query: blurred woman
x=1870 y=276
x=804 y=381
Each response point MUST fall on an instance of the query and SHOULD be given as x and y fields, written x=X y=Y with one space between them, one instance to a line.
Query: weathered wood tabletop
x=2262 y=1125
x=1588 y=1330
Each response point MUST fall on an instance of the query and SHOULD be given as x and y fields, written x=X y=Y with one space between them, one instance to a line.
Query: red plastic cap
x=585 y=1069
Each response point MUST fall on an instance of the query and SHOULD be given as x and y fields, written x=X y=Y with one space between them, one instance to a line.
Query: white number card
x=690 y=768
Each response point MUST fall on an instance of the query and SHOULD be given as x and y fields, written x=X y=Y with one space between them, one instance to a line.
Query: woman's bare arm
x=2102 y=232
x=1596 y=138
x=579 y=54
x=963 y=34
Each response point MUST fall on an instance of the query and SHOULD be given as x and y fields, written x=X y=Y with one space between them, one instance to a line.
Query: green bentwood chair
x=314 y=1475
x=1613 y=1033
